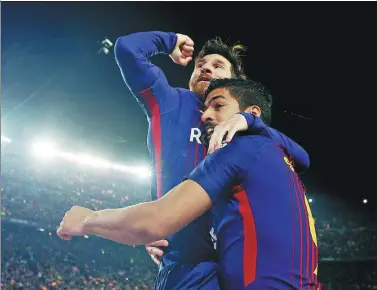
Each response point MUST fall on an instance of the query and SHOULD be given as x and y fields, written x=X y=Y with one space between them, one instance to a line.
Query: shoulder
x=187 y=93
x=250 y=144
x=184 y=91
x=188 y=98
x=248 y=147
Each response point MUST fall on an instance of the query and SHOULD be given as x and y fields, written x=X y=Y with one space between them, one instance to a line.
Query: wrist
x=90 y=222
x=250 y=118
x=174 y=39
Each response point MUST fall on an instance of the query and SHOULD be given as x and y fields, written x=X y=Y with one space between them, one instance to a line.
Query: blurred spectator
x=34 y=259
x=354 y=275
x=35 y=196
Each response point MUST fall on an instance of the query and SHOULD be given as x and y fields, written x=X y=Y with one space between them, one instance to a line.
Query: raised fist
x=183 y=50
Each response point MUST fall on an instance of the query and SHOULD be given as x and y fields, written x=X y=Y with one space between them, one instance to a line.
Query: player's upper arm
x=225 y=168
x=146 y=81
x=179 y=207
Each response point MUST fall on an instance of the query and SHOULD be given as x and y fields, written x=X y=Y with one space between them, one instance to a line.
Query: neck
x=199 y=95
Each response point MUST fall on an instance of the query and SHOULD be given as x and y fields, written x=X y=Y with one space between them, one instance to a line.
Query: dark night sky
x=318 y=59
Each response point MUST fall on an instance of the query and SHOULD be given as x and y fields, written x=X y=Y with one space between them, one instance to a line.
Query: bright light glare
x=143 y=172
x=68 y=156
x=92 y=161
x=122 y=168
x=44 y=149
x=310 y=200
x=5 y=139
x=140 y=171
x=365 y=200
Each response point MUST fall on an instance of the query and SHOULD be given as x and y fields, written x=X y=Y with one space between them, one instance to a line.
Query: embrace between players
x=235 y=218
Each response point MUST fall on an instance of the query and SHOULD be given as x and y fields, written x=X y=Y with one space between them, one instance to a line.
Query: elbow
x=305 y=164
x=155 y=228
x=141 y=235
x=152 y=232
x=308 y=161
x=123 y=48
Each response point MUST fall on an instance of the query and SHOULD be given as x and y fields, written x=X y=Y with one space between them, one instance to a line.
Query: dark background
x=318 y=59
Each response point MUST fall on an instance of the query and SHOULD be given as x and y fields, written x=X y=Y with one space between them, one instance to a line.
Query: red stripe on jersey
x=205 y=149
x=154 y=109
x=308 y=238
x=188 y=146
x=298 y=199
x=293 y=233
x=250 y=238
x=307 y=230
x=204 y=153
x=315 y=262
x=197 y=147
x=293 y=217
x=314 y=253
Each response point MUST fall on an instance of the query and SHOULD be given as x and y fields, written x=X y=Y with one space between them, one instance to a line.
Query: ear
x=255 y=110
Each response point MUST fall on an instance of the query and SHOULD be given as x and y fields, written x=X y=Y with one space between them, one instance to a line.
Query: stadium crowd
x=35 y=195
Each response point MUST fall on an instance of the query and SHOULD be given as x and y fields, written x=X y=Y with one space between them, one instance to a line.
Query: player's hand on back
x=183 y=50
x=155 y=252
x=229 y=128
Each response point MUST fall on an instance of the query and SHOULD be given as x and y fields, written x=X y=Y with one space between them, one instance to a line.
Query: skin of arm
x=151 y=221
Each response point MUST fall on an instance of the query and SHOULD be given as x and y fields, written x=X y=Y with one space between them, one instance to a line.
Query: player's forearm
x=133 y=52
x=146 y=44
x=151 y=221
x=131 y=225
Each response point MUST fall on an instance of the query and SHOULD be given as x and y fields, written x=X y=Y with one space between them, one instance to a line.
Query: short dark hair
x=232 y=53
x=248 y=93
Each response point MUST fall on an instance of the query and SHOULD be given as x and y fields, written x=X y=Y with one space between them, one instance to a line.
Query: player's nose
x=206 y=116
x=206 y=69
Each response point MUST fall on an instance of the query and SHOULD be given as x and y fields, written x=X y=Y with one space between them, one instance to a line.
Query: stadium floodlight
x=44 y=149
x=106 y=44
x=5 y=139
x=365 y=200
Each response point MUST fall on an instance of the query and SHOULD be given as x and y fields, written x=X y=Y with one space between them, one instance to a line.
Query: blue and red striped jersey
x=265 y=231
x=174 y=133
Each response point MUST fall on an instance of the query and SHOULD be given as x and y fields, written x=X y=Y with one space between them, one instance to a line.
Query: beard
x=210 y=126
x=199 y=88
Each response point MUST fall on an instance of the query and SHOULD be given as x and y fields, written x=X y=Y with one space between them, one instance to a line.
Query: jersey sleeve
x=299 y=155
x=145 y=80
x=221 y=170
